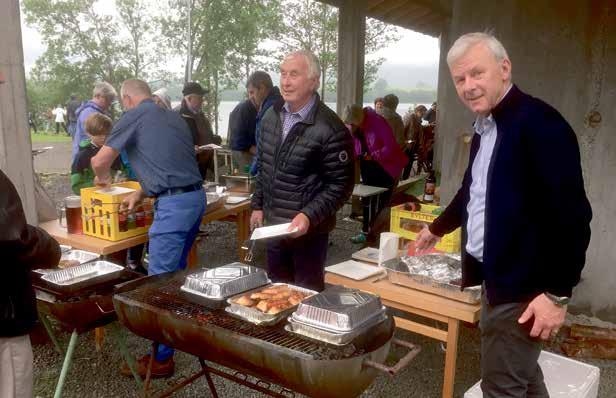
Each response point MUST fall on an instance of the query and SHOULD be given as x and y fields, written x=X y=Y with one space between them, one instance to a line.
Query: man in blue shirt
x=160 y=149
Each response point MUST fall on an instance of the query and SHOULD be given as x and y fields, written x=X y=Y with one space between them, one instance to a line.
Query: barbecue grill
x=79 y=311
x=153 y=308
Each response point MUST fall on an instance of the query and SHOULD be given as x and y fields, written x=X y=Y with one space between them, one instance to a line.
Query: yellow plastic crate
x=408 y=224
x=99 y=213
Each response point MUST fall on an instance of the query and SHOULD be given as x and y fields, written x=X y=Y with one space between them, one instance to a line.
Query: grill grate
x=167 y=297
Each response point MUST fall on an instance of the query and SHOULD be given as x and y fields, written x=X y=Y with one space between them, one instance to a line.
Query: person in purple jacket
x=102 y=98
x=381 y=159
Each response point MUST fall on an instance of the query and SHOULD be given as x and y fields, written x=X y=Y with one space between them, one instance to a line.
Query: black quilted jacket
x=310 y=172
x=23 y=247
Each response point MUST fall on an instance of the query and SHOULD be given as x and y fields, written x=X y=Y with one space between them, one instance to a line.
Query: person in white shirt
x=59 y=113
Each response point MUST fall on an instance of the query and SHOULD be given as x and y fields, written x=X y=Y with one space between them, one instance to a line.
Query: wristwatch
x=560 y=301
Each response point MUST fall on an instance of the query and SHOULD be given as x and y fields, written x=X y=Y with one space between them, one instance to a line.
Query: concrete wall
x=15 y=145
x=565 y=53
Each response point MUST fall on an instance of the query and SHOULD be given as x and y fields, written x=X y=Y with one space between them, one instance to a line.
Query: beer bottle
x=429 y=188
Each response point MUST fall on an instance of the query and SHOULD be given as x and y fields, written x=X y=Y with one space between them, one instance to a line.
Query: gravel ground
x=95 y=374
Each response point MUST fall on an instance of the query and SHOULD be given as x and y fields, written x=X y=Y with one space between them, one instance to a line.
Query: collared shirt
x=159 y=146
x=290 y=119
x=487 y=130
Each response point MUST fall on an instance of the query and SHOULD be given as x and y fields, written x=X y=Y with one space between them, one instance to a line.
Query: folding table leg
x=116 y=335
x=50 y=333
x=66 y=364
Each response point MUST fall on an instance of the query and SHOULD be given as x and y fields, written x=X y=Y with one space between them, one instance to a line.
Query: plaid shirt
x=291 y=119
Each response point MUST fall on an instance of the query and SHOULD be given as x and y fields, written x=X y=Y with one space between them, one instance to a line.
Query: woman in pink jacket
x=381 y=159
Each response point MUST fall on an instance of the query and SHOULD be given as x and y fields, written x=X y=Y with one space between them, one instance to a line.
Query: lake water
x=226 y=107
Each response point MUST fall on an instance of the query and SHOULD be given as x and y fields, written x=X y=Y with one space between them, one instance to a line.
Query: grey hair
x=104 y=89
x=470 y=40
x=353 y=114
x=314 y=66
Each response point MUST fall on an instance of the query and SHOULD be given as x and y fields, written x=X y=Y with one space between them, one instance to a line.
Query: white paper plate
x=271 y=231
x=233 y=200
x=367 y=255
x=354 y=270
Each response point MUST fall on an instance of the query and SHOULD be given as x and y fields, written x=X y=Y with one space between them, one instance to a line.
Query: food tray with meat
x=334 y=338
x=339 y=309
x=268 y=305
x=433 y=273
x=80 y=276
x=73 y=258
x=211 y=287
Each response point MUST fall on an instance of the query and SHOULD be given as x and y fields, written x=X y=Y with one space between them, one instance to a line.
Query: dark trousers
x=509 y=355
x=299 y=261
x=374 y=175
x=58 y=127
x=410 y=153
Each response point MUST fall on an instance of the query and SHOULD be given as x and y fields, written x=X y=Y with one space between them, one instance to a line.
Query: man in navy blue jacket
x=524 y=216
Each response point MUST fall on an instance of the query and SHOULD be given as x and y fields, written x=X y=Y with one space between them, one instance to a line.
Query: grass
x=50 y=137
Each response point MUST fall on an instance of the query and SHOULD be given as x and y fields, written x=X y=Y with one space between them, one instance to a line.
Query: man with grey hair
x=160 y=149
x=515 y=225
x=390 y=104
x=103 y=96
x=305 y=175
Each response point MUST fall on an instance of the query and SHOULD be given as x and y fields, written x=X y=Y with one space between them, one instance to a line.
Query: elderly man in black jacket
x=23 y=247
x=305 y=173
x=524 y=234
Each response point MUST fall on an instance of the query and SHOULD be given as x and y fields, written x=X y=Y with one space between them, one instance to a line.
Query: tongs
x=249 y=245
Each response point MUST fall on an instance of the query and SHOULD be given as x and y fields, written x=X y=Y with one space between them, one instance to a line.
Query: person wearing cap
x=161 y=152
x=380 y=158
x=161 y=98
x=198 y=123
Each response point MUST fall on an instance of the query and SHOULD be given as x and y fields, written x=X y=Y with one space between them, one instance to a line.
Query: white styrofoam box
x=564 y=378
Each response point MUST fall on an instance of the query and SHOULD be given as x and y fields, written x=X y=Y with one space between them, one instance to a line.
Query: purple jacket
x=382 y=145
x=82 y=114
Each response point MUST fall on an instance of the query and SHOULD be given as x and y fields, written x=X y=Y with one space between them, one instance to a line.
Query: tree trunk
x=215 y=101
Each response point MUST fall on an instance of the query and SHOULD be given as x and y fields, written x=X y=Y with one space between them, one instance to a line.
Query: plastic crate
x=408 y=223
x=563 y=377
x=99 y=213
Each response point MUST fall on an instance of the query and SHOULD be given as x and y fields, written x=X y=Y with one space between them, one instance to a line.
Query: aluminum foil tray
x=434 y=273
x=225 y=281
x=333 y=338
x=254 y=315
x=83 y=275
x=339 y=309
x=79 y=255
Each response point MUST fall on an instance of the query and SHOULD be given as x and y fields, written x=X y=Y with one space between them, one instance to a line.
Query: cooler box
x=564 y=378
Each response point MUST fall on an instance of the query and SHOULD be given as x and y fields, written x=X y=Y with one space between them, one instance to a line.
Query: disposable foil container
x=330 y=337
x=434 y=273
x=254 y=315
x=89 y=272
x=225 y=281
x=79 y=255
x=339 y=309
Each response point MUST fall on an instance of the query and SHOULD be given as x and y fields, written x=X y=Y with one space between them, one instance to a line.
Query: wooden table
x=426 y=305
x=239 y=213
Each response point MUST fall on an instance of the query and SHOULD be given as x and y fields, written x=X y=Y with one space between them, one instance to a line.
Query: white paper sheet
x=354 y=269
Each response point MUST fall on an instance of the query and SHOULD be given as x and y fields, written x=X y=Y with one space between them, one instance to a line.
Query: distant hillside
x=407 y=77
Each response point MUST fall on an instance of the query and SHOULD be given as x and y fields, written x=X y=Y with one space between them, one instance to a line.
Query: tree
x=226 y=37
x=313 y=26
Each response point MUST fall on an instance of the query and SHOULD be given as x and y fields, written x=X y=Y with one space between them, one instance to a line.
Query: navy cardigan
x=537 y=216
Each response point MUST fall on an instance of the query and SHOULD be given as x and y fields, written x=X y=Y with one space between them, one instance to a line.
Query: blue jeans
x=172 y=234
x=72 y=127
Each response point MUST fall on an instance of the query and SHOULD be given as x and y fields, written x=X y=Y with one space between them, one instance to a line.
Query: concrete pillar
x=15 y=144
x=351 y=47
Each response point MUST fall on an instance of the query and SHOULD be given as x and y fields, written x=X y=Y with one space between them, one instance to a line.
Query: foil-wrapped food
x=440 y=267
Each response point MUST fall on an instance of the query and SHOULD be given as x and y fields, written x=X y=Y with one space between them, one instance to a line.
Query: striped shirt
x=290 y=119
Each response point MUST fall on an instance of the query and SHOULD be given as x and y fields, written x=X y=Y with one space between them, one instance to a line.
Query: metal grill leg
x=148 y=374
x=208 y=377
x=66 y=364
x=50 y=333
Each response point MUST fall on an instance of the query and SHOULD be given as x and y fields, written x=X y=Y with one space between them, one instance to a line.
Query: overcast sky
x=413 y=49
